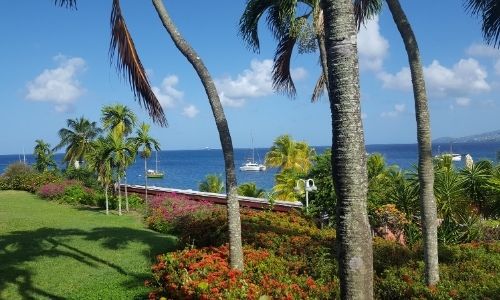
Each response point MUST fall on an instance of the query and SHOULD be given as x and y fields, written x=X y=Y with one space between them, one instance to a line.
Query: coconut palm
x=339 y=70
x=287 y=154
x=123 y=153
x=489 y=11
x=365 y=9
x=44 y=156
x=120 y=120
x=100 y=161
x=348 y=151
x=145 y=144
x=77 y=138
x=285 y=183
x=212 y=184
x=249 y=189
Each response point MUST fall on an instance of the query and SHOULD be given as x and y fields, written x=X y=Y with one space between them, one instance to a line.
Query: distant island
x=488 y=137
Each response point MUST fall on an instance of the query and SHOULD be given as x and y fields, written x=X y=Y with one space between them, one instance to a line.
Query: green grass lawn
x=53 y=251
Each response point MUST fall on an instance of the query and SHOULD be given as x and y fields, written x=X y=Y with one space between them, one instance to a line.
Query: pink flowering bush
x=165 y=211
x=52 y=190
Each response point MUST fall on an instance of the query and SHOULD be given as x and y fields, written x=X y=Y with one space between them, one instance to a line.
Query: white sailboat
x=155 y=173
x=454 y=156
x=251 y=164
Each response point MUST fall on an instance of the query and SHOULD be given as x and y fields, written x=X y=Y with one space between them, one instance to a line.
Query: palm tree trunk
x=145 y=181
x=425 y=167
x=233 y=208
x=354 y=240
x=106 y=195
x=126 y=193
x=119 y=197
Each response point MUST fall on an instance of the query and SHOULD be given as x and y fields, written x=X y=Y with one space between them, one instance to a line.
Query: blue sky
x=55 y=66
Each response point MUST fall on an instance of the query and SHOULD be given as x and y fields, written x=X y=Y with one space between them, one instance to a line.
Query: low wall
x=255 y=203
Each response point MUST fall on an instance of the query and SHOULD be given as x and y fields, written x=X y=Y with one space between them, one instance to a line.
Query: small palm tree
x=287 y=154
x=100 y=161
x=144 y=143
x=477 y=182
x=44 y=156
x=120 y=121
x=249 y=189
x=212 y=184
x=123 y=153
x=77 y=138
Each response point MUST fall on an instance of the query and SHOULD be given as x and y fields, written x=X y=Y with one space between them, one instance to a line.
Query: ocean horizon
x=185 y=169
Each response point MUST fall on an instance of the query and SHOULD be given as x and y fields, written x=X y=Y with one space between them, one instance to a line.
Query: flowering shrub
x=467 y=271
x=205 y=274
x=68 y=191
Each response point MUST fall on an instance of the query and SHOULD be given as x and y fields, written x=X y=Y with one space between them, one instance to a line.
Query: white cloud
x=372 y=46
x=251 y=83
x=462 y=101
x=480 y=50
x=497 y=67
x=398 y=109
x=60 y=85
x=190 y=111
x=465 y=77
x=364 y=116
x=167 y=94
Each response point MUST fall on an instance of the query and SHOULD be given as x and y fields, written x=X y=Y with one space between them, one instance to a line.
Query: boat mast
x=156 y=164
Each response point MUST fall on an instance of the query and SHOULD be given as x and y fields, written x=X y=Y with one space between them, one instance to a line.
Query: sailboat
x=454 y=156
x=251 y=165
x=155 y=173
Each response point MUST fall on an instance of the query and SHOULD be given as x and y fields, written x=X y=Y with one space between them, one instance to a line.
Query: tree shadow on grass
x=19 y=247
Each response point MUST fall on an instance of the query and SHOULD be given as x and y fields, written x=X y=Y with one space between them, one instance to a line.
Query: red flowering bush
x=68 y=191
x=52 y=190
x=205 y=274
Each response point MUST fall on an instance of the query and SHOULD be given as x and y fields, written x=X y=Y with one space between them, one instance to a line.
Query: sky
x=55 y=66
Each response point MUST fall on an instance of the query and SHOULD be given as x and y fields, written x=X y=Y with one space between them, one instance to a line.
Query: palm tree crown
x=119 y=119
x=77 y=138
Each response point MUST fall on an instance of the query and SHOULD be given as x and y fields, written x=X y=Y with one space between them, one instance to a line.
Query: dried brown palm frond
x=282 y=78
x=319 y=88
x=129 y=65
x=67 y=3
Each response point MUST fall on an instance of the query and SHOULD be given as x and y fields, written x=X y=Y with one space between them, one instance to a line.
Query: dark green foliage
x=323 y=201
x=84 y=175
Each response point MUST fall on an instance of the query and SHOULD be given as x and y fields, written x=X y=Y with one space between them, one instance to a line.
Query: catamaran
x=251 y=165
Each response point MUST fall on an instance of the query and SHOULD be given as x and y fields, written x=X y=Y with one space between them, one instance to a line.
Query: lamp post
x=309 y=186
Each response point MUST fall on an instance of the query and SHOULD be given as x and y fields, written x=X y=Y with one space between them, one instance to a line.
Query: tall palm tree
x=335 y=20
x=233 y=207
x=348 y=151
x=77 y=138
x=489 y=11
x=145 y=144
x=44 y=156
x=367 y=8
x=120 y=120
x=100 y=161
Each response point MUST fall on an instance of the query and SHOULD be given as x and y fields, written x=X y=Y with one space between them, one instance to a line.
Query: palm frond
x=319 y=88
x=129 y=64
x=249 y=22
x=489 y=10
x=282 y=78
x=366 y=9
x=66 y=3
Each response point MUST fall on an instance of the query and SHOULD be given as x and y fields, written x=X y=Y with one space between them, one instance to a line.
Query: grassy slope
x=52 y=251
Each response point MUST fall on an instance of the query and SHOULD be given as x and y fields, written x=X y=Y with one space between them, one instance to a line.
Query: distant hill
x=488 y=137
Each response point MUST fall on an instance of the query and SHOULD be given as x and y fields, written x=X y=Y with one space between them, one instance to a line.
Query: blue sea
x=185 y=169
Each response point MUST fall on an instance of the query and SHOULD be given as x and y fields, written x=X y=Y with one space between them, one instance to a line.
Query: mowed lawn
x=53 y=251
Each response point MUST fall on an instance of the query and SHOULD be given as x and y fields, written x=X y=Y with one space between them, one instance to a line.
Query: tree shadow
x=19 y=247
